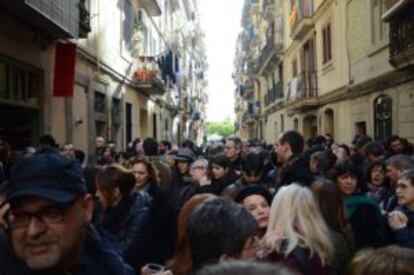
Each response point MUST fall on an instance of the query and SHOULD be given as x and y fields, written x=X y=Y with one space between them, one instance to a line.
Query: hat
x=253 y=190
x=48 y=175
x=185 y=154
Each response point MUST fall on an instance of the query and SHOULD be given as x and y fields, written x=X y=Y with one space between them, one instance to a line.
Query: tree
x=222 y=128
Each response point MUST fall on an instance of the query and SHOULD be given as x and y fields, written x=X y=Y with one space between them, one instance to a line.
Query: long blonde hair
x=295 y=220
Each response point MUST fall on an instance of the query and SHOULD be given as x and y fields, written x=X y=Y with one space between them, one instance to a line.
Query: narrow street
x=195 y=137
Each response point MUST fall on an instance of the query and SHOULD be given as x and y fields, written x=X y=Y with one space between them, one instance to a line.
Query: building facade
x=130 y=71
x=332 y=67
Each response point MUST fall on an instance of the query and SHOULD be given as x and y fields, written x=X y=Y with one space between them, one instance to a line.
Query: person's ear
x=88 y=207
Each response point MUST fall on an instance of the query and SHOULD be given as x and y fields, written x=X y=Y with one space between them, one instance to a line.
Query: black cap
x=185 y=154
x=48 y=175
x=253 y=189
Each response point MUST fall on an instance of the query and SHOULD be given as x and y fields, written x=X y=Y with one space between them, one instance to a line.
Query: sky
x=220 y=21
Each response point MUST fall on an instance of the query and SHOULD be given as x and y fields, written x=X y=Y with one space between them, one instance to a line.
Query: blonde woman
x=297 y=234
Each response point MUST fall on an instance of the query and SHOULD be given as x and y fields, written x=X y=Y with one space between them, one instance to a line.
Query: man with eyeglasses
x=49 y=230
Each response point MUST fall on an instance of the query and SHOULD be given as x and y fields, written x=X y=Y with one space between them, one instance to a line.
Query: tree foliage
x=222 y=128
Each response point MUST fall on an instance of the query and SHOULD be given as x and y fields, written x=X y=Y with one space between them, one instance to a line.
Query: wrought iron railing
x=304 y=86
x=301 y=10
x=273 y=94
x=271 y=45
x=84 y=19
x=402 y=33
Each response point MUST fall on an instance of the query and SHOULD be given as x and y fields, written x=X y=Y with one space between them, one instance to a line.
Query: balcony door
x=383 y=117
x=309 y=68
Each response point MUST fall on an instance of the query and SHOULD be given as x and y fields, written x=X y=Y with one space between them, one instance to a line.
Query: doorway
x=310 y=126
x=18 y=126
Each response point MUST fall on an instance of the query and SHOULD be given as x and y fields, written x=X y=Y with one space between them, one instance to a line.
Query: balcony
x=303 y=91
x=301 y=19
x=402 y=37
x=84 y=20
x=273 y=47
x=248 y=116
x=251 y=38
x=54 y=19
x=148 y=76
x=247 y=89
x=152 y=7
x=269 y=10
x=273 y=94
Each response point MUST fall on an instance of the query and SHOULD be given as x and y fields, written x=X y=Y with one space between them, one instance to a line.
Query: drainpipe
x=98 y=50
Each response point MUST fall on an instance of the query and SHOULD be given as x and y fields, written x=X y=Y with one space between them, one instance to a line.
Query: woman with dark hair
x=377 y=181
x=363 y=212
x=161 y=239
x=125 y=214
x=108 y=156
x=180 y=178
x=331 y=204
x=221 y=173
x=342 y=152
x=257 y=200
x=181 y=263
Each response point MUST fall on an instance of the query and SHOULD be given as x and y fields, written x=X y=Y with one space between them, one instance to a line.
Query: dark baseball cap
x=47 y=175
x=185 y=154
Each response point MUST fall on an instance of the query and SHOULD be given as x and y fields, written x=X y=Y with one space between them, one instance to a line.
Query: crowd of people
x=228 y=207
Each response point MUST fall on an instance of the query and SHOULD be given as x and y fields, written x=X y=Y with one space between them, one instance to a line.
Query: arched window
x=383 y=117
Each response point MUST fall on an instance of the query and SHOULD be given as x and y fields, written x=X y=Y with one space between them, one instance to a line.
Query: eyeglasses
x=48 y=215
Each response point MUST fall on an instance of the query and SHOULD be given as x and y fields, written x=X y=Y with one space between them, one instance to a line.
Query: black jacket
x=160 y=245
x=366 y=221
x=98 y=257
x=295 y=170
x=178 y=190
x=220 y=184
x=405 y=237
x=129 y=223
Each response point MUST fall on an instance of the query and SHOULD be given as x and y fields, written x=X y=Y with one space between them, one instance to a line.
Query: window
x=327 y=43
x=154 y=126
x=128 y=121
x=294 y=68
x=378 y=27
x=100 y=102
x=19 y=83
x=361 y=128
x=116 y=111
x=128 y=24
x=383 y=117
